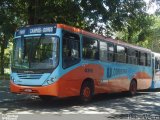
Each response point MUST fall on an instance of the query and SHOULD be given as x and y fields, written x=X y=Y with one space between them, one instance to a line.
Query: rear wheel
x=133 y=88
x=86 y=92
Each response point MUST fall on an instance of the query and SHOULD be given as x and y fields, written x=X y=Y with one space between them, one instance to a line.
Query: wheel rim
x=86 y=92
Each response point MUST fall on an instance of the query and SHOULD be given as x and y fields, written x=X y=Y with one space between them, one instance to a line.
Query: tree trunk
x=2 y=56
x=130 y=32
x=31 y=12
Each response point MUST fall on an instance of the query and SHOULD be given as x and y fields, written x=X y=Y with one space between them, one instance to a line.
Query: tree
x=115 y=15
x=7 y=28
x=106 y=17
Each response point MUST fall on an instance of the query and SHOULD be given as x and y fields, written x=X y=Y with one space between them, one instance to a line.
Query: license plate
x=27 y=90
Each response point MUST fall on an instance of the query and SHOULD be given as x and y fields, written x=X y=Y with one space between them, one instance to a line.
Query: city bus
x=155 y=70
x=58 y=60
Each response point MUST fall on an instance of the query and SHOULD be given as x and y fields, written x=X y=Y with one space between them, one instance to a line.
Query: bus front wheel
x=133 y=88
x=86 y=92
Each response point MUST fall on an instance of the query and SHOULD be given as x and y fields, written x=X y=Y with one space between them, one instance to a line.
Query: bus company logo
x=9 y=117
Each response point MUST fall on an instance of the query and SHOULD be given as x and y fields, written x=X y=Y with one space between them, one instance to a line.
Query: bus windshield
x=35 y=52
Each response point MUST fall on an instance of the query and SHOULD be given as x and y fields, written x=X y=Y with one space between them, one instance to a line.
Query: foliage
x=7 y=28
x=137 y=31
x=154 y=38
x=125 y=19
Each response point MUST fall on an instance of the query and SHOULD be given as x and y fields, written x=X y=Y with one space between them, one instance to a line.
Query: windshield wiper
x=34 y=47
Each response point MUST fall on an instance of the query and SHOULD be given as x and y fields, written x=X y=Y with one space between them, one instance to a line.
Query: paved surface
x=115 y=106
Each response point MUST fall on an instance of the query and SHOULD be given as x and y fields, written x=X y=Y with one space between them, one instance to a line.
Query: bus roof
x=20 y=31
x=89 y=34
x=156 y=54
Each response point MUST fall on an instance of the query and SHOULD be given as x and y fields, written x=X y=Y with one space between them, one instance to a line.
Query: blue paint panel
x=123 y=70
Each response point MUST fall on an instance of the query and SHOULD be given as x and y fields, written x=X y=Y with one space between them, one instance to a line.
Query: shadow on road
x=111 y=104
x=101 y=103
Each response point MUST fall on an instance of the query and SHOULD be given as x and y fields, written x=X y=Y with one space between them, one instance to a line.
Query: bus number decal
x=88 y=70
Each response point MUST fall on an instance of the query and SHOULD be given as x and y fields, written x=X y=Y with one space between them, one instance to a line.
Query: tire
x=133 y=88
x=86 y=92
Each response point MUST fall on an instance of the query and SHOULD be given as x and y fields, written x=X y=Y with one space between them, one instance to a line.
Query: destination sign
x=37 y=29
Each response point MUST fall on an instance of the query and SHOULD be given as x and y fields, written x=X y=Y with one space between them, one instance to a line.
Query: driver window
x=71 y=49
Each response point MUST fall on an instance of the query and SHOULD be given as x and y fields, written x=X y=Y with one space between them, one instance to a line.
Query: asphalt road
x=145 y=105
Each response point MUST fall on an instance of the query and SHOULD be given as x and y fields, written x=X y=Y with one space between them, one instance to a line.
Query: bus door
x=156 y=72
x=153 y=66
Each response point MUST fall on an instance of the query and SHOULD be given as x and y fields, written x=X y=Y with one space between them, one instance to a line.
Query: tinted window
x=148 y=59
x=36 y=52
x=71 y=52
x=142 y=58
x=132 y=56
x=121 y=54
x=110 y=52
x=157 y=63
x=90 y=48
x=103 y=51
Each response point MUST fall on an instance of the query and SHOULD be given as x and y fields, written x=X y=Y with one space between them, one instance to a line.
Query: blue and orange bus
x=63 y=61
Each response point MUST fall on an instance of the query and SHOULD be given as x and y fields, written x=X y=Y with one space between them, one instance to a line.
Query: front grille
x=29 y=76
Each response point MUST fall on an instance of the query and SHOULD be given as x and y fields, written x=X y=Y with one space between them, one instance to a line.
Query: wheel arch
x=134 y=80
x=90 y=80
x=133 y=87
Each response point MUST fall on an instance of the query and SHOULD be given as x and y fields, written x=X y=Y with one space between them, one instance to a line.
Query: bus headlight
x=50 y=81
x=12 y=79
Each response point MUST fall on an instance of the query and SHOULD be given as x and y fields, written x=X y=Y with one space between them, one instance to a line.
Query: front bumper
x=51 y=90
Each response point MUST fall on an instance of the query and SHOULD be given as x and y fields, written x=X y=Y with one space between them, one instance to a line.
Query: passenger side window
x=103 y=51
x=121 y=54
x=157 y=63
x=148 y=59
x=132 y=56
x=110 y=52
x=90 y=48
x=142 y=59
x=71 y=49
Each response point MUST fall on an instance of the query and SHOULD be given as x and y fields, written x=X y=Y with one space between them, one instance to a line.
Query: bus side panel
x=118 y=77
x=70 y=83
x=143 y=80
x=114 y=85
